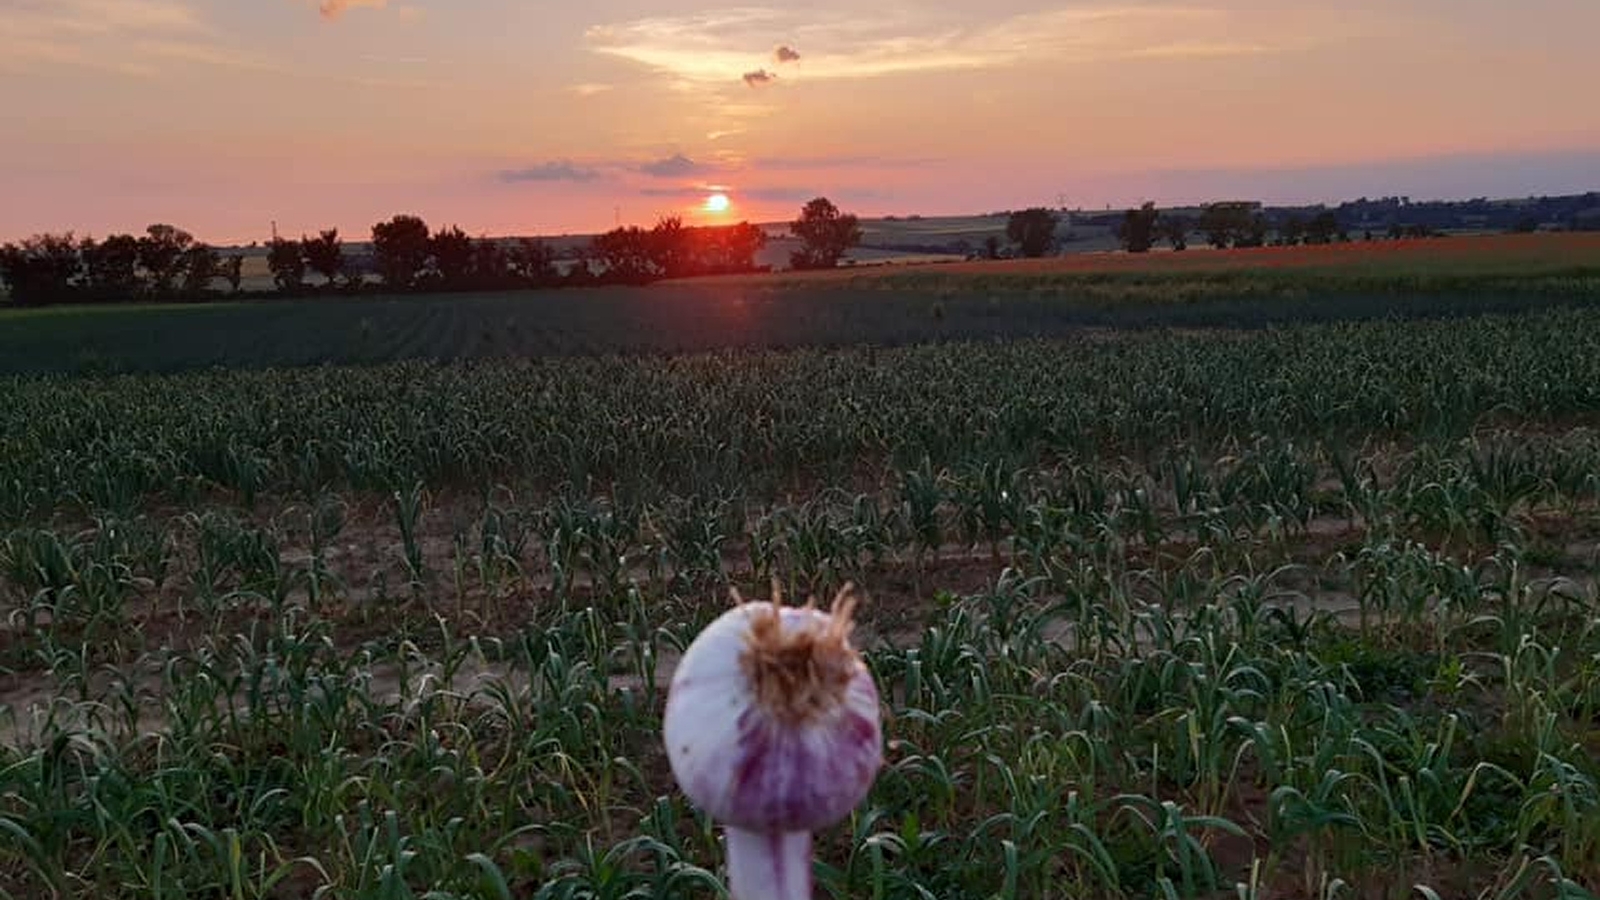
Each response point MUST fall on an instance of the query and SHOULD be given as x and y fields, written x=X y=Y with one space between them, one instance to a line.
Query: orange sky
x=505 y=116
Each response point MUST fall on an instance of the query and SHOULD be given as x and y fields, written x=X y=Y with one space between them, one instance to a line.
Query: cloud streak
x=103 y=16
x=720 y=45
x=142 y=39
x=674 y=166
x=559 y=170
x=333 y=9
x=125 y=37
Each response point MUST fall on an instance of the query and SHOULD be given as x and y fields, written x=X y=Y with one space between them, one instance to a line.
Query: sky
x=520 y=117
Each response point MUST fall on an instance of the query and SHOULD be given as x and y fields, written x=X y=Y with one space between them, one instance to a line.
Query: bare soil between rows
x=373 y=604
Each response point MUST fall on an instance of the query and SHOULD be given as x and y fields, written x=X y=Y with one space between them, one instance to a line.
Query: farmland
x=1218 y=610
x=1409 y=262
x=258 y=277
x=891 y=305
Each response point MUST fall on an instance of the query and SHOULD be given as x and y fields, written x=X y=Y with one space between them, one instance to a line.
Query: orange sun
x=718 y=203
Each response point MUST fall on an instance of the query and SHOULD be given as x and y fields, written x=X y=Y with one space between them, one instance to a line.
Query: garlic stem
x=773 y=865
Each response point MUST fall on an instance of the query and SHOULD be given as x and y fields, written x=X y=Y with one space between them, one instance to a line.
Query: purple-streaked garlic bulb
x=772 y=728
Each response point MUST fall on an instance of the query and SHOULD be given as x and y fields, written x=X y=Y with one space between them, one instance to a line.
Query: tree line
x=167 y=263
x=1032 y=232
x=164 y=263
x=406 y=255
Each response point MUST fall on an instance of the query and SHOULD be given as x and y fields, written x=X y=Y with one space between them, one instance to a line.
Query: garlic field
x=1311 y=611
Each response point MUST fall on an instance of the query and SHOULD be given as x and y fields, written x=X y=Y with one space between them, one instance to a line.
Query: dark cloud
x=786 y=54
x=760 y=77
x=674 y=166
x=550 y=171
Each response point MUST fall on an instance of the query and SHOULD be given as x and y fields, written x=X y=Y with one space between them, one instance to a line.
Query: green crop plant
x=1306 y=611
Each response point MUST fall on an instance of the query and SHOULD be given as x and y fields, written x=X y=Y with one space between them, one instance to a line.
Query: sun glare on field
x=717 y=203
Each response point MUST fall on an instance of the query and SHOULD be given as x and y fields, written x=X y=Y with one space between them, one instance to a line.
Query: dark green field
x=888 y=305
x=692 y=317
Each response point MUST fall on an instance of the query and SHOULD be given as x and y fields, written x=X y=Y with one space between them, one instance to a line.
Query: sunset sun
x=717 y=203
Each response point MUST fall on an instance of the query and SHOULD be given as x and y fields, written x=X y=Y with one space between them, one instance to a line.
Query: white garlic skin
x=745 y=766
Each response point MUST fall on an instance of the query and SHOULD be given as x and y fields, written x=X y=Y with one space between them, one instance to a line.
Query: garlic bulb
x=772 y=728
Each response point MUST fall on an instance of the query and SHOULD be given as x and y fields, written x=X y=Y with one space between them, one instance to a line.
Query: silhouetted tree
x=1230 y=224
x=1215 y=229
x=1138 y=229
x=287 y=262
x=41 y=269
x=1292 y=231
x=161 y=255
x=400 y=250
x=991 y=247
x=1033 y=231
x=452 y=255
x=826 y=234
x=353 y=275
x=730 y=248
x=491 y=266
x=200 y=264
x=533 y=263
x=233 y=272
x=111 y=267
x=1322 y=228
x=1176 y=231
x=581 y=272
x=625 y=254
x=324 y=254
x=1255 y=233
x=671 y=248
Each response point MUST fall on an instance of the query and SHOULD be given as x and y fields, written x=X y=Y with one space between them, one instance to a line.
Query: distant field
x=888 y=306
x=1092 y=250
x=1504 y=254
x=974 y=230
x=257 y=277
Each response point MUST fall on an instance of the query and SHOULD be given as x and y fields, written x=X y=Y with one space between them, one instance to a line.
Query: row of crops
x=759 y=424
x=887 y=309
x=1303 y=613
x=1271 y=502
